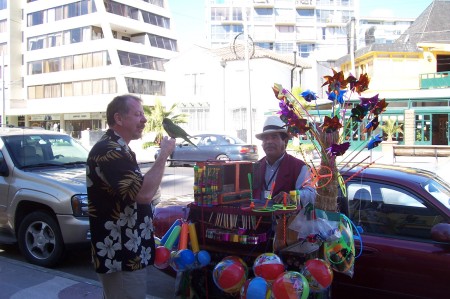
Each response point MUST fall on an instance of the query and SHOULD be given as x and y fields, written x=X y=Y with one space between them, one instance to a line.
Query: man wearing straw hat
x=281 y=172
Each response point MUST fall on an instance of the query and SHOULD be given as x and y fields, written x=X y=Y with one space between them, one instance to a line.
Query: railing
x=435 y=80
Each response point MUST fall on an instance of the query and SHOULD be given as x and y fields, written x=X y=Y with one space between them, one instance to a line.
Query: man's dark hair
x=119 y=105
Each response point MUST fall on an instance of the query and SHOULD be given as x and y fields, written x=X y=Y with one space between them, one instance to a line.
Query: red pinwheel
x=358 y=113
x=338 y=149
x=299 y=126
x=372 y=125
x=335 y=82
x=380 y=107
x=360 y=85
x=331 y=124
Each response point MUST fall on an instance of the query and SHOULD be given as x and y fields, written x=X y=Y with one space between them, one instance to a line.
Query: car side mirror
x=441 y=232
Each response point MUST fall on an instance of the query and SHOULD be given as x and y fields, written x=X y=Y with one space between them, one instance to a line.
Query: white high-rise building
x=65 y=60
x=308 y=27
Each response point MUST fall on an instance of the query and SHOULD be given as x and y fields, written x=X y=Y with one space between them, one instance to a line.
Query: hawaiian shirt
x=121 y=230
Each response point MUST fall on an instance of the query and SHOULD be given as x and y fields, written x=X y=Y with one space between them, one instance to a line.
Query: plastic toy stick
x=167 y=234
x=183 y=236
x=252 y=204
x=193 y=238
x=173 y=237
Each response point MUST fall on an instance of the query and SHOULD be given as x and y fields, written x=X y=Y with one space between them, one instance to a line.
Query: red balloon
x=268 y=266
x=318 y=273
x=229 y=276
x=162 y=257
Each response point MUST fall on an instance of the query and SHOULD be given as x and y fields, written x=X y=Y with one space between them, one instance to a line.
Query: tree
x=155 y=115
x=390 y=128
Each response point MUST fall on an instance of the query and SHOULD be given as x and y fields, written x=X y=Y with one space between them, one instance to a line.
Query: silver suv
x=43 y=198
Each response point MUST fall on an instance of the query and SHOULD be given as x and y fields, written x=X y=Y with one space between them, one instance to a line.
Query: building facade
x=65 y=60
x=218 y=87
x=412 y=74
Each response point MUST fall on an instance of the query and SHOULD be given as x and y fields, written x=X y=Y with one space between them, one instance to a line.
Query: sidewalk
x=20 y=280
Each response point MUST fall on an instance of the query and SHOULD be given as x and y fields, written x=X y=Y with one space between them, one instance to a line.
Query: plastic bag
x=314 y=226
x=340 y=253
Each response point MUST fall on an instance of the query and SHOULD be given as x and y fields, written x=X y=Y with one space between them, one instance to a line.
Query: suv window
x=34 y=149
x=388 y=210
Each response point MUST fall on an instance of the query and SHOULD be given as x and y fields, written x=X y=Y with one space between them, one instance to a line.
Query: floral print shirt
x=121 y=230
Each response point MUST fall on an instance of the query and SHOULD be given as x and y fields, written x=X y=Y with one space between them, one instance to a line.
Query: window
x=423 y=129
x=305 y=50
x=389 y=210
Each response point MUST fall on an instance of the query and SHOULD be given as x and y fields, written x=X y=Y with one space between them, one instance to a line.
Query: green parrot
x=175 y=131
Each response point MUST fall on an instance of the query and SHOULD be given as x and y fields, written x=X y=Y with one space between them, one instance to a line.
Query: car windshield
x=36 y=150
x=440 y=192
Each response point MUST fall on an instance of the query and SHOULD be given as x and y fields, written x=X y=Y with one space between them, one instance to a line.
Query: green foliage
x=305 y=148
x=390 y=128
x=155 y=116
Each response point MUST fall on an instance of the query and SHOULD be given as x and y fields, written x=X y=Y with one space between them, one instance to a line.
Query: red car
x=404 y=218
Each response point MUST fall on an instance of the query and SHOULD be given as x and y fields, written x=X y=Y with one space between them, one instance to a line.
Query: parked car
x=43 y=197
x=404 y=218
x=212 y=147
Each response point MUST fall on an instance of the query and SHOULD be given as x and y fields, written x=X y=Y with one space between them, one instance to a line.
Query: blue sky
x=188 y=15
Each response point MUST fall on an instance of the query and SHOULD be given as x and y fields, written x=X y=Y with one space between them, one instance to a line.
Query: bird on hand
x=175 y=131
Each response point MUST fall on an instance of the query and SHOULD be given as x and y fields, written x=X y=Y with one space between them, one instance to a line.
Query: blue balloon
x=185 y=258
x=257 y=288
x=203 y=258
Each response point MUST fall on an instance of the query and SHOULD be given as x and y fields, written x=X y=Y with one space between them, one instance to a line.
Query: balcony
x=263 y=3
x=435 y=80
x=305 y=4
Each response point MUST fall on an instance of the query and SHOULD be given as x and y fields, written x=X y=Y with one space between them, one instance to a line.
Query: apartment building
x=306 y=26
x=65 y=60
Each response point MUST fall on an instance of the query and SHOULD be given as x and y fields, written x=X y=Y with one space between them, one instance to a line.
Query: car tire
x=40 y=239
x=222 y=157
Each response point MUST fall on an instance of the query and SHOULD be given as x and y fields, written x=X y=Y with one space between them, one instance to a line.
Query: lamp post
x=3 y=123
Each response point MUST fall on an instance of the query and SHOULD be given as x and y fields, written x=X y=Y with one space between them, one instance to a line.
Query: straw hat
x=273 y=124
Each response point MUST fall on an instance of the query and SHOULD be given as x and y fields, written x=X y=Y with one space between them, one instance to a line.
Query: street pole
x=352 y=45
x=247 y=69
x=3 y=123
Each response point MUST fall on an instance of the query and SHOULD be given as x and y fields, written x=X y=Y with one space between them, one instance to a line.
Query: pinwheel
x=338 y=149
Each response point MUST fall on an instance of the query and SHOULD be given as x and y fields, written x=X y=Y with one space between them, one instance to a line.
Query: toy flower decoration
x=330 y=133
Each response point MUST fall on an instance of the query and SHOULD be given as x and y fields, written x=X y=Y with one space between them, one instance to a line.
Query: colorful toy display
x=290 y=285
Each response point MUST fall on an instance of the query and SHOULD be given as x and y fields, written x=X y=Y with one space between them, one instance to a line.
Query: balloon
x=290 y=285
x=268 y=266
x=185 y=258
x=318 y=273
x=255 y=288
x=175 y=262
x=229 y=275
x=203 y=258
x=162 y=257
x=238 y=260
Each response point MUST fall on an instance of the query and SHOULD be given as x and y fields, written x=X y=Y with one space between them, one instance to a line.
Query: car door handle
x=367 y=251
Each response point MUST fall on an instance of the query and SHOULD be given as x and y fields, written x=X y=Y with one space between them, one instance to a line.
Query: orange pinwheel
x=331 y=124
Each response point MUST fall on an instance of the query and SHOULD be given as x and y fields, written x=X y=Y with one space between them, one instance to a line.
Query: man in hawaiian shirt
x=120 y=201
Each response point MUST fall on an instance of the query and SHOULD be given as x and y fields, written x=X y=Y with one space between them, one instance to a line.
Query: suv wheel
x=40 y=239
